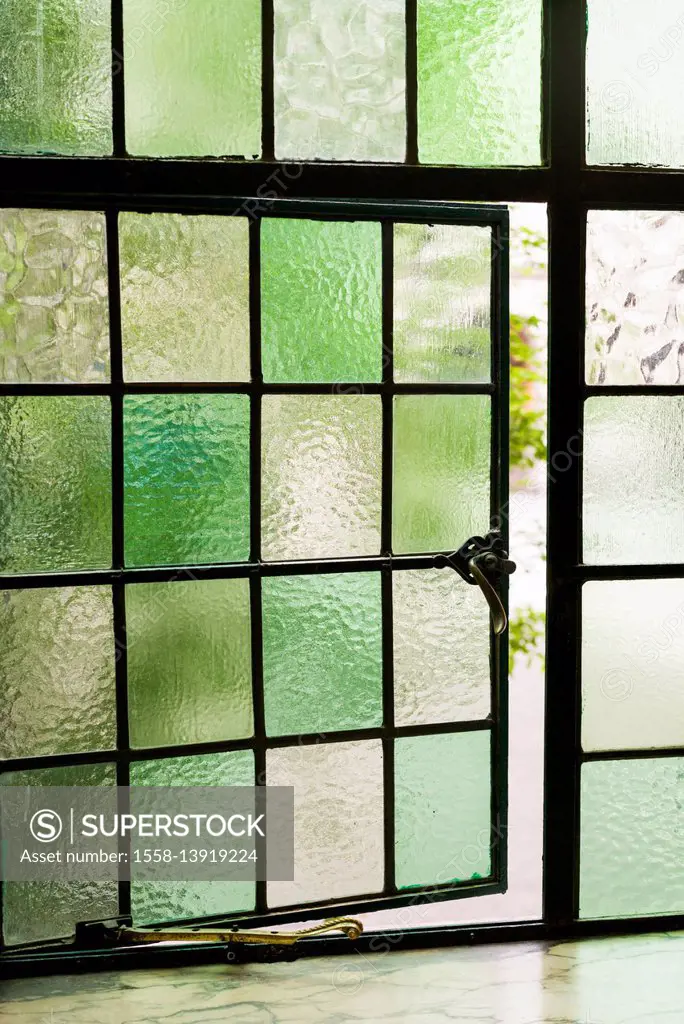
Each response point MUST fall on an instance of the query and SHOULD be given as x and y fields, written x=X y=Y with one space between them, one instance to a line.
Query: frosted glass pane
x=479 y=81
x=322 y=653
x=441 y=470
x=441 y=648
x=442 y=280
x=321 y=300
x=633 y=480
x=54 y=317
x=632 y=841
x=193 y=77
x=632 y=656
x=55 y=483
x=634 y=83
x=340 y=80
x=442 y=808
x=56 y=671
x=321 y=469
x=186 y=478
x=153 y=902
x=55 y=87
x=338 y=819
x=38 y=911
x=635 y=288
x=184 y=297
x=189 y=662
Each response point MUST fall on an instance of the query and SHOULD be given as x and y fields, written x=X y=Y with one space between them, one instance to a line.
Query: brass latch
x=137 y=936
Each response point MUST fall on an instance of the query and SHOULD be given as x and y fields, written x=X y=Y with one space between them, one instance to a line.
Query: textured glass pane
x=634 y=83
x=338 y=819
x=441 y=470
x=54 y=317
x=56 y=671
x=321 y=473
x=55 y=483
x=635 y=290
x=441 y=648
x=633 y=480
x=442 y=808
x=193 y=77
x=37 y=911
x=55 y=86
x=189 y=662
x=321 y=287
x=479 y=81
x=184 y=297
x=632 y=842
x=632 y=656
x=171 y=901
x=186 y=478
x=322 y=653
x=442 y=280
x=340 y=79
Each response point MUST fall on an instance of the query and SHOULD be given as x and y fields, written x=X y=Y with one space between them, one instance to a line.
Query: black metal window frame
x=569 y=188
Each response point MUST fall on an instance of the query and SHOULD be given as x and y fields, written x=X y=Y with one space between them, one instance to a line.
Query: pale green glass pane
x=55 y=483
x=186 y=466
x=184 y=297
x=442 y=297
x=635 y=79
x=442 y=808
x=632 y=841
x=193 y=77
x=189 y=662
x=321 y=300
x=635 y=289
x=441 y=470
x=56 y=671
x=338 y=810
x=55 y=86
x=632 y=656
x=340 y=80
x=479 y=82
x=322 y=653
x=633 y=480
x=441 y=648
x=171 y=901
x=321 y=472
x=54 y=315
x=38 y=911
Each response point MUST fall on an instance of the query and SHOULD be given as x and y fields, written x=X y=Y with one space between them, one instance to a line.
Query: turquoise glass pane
x=322 y=652
x=186 y=478
x=321 y=300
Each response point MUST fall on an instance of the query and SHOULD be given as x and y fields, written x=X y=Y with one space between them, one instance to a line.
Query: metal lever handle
x=489 y=561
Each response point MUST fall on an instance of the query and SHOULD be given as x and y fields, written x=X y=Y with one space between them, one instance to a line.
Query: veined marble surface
x=637 y=980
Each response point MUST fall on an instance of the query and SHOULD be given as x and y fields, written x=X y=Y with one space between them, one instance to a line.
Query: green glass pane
x=171 y=901
x=322 y=653
x=193 y=77
x=442 y=283
x=186 y=478
x=189 y=662
x=441 y=470
x=56 y=671
x=479 y=82
x=442 y=808
x=55 y=483
x=54 y=316
x=338 y=809
x=321 y=471
x=55 y=87
x=321 y=300
x=38 y=911
x=340 y=80
x=184 y=297
x=632 y=841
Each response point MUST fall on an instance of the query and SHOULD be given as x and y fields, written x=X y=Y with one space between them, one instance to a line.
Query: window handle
x=481 y=561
